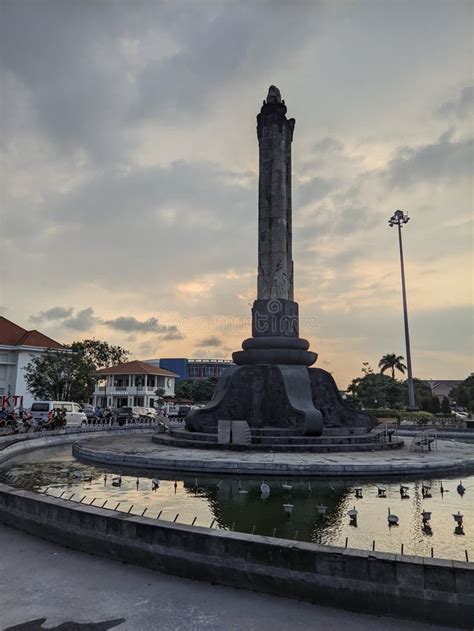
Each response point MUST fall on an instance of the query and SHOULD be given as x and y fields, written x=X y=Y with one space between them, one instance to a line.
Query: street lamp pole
x=399 y=218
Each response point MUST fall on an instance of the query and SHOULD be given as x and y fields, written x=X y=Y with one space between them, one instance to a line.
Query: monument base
x=280 y=396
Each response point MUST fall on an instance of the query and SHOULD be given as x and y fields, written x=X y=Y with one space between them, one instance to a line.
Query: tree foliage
x=196 y=390
x=101 y=354
x=445 y=406
x=376 y=390
x=464 y=394
x=71 y=376
x=392 y=362
x=160 y=395
x=60 y=376
x=184 y=390
x=423 y=398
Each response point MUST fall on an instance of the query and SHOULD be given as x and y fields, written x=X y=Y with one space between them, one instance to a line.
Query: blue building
x=193 y=369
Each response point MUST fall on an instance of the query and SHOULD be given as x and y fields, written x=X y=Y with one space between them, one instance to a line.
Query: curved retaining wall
x=430 y=590
x=14 y=444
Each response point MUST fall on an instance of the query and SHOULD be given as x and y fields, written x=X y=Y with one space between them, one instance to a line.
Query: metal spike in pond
x=288 y=508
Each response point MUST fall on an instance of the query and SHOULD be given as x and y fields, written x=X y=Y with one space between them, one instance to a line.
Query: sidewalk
x=43 y=580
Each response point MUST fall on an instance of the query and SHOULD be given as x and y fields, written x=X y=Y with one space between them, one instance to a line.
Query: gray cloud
x=88 y=73
x=130 y=324
x=315 y=189
x=171 y=332
x=84 y=320
x=460 y=107
x=55 y=313
x=442 y=159
x=327 y=145
x=211 y=341
x=219 y=43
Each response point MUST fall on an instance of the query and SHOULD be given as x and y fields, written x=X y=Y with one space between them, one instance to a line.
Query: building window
x=194 y=372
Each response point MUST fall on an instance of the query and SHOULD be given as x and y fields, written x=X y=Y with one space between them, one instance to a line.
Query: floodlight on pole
x=399 y=218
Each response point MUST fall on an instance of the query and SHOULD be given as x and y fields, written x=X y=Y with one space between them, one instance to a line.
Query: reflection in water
x=319 y=508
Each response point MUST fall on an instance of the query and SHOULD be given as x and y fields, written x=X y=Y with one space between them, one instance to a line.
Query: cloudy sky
x=129 y=174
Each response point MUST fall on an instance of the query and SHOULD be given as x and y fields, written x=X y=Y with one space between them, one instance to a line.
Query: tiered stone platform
x=286 y=440
x=140 y=452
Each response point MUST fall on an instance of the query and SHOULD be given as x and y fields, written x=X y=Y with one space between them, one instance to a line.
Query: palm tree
x=392 y=362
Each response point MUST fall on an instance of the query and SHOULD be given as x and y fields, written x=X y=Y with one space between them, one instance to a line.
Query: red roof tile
x=13 y=335
x=136 y=368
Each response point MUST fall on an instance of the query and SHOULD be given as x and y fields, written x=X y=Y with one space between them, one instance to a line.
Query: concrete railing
x=429 y=590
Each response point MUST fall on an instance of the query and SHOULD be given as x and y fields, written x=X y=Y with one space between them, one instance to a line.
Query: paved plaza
x=39 y=579
x=141 y=451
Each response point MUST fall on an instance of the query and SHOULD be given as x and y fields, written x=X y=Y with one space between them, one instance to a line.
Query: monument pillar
x=275 y=322
x=271 y=385
x=275 y=262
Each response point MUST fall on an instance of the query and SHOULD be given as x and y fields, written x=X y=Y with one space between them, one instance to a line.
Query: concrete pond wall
x=429 y=590
x=15 y=444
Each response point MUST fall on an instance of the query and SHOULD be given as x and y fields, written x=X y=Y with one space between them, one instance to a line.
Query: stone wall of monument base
x=429 y=590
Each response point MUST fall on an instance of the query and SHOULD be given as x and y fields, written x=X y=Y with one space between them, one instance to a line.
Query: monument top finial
x=274 y=95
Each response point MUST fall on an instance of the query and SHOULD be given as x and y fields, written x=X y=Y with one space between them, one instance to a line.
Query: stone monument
x=271 y=385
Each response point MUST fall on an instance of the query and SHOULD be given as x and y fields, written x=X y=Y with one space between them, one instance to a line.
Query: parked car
x=89 y=411
x=183 y=410
x=127 y=415
x=135 y=414
x=43 y=411
x=171 y=411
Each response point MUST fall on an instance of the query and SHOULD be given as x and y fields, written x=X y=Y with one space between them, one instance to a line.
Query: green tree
x=160 y=395
x=375 y=390
x=423 y=395
x=435 y=405
x=392 y=362
x=60 y=376
x=184 y=390
x=101 y=354
x=464 y=394
x=203 y=390
x=446 y=406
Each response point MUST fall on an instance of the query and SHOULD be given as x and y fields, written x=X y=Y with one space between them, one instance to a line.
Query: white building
x=132 y=384
x=17 y=348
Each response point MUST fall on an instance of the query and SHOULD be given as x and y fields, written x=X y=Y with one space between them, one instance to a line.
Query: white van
x=74 y=416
